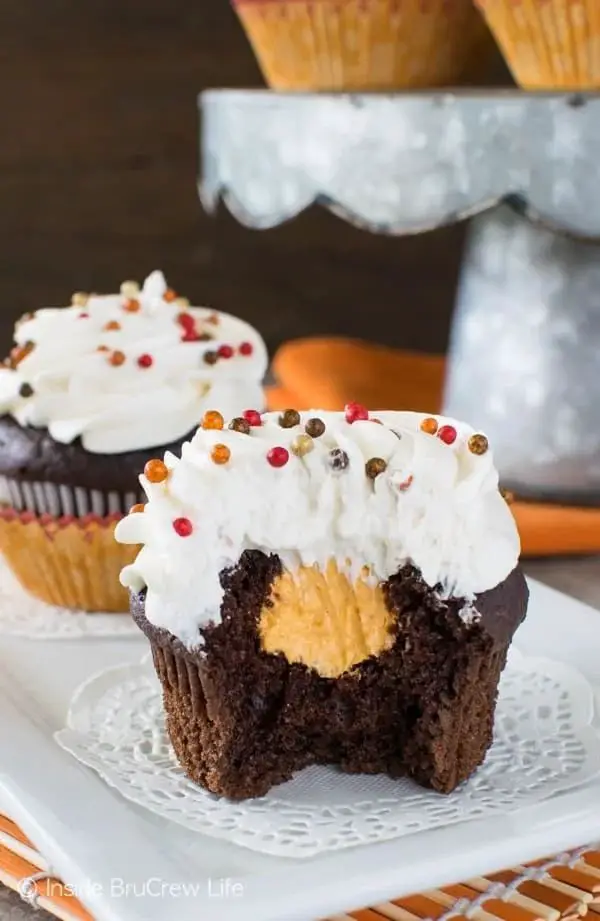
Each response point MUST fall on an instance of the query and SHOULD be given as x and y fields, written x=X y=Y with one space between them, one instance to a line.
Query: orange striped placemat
x=565 y=887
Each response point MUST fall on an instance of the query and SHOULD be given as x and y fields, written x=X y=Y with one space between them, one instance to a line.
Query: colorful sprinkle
x=301 y=445
x=355 y=412
x=103 y=348
x=83 y=316
x=405 y=484
x=25 y=390
x=190 y=335
x=111 y=325
x=478 y=444
x=447 y=434
x=338 y=459
x=289 y=418
x=130 y=289
x=212 y=420
x=145 y=360
x=79 y=299
x=508 y=496
x=20 y=352
x=429 y=425
x=220 y=454
x=225 y=351
x=246 y=348
x=314 y=427
x=137 y=508
x=156 y=471
x=374 y=467
x=240 y=425
x=170 y=295
x=183 y=527
x=186 y=320
x=252 y=417
x=278 y=457
x=131 y=305
x=211 y=358
x=213 y=318
x=181 y=302
x=117 y=358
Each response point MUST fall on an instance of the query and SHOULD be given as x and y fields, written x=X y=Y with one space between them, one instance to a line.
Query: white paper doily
x=545 y=743
x=23 y=615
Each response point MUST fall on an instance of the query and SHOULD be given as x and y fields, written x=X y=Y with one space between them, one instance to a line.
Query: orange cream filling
x=324 y=620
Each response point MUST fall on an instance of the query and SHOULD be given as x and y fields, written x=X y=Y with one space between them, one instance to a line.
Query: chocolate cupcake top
x=129 y=371
x=370 y=491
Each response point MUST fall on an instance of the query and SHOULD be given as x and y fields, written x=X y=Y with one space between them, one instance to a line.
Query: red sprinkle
x=190 y=335
x=246 y=348
x=83 y=316
x=447 y=434
x=278 y=457
x=355 y=412
x=252 y=417
x=186 y=320
x=145 y=361
x=225 y=351
x=183 y=527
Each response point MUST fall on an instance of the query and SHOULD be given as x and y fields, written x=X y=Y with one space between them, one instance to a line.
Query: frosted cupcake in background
x=548 y=45
x=89 y=394
x=365 y=44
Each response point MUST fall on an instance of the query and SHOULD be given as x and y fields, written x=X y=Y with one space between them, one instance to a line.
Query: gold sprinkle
x=301 y=445
x=478 y=444
x=182 y=302
x=374 y=467
x=130 y=289
x=79 y=299
x=508 y=496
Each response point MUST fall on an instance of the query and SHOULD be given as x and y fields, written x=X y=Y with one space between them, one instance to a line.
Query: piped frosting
x=131 y=370
x=368 y=491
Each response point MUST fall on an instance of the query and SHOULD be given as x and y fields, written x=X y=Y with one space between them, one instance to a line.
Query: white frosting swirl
x=451 y=521
x=77 y=391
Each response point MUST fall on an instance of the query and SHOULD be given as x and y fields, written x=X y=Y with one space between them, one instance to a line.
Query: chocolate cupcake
x=89 y=394
x=327 y=588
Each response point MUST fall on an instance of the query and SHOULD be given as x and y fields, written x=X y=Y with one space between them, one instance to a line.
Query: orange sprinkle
x=117 y=358
x=103 y=348
x=156 y=471
x=112 y=325
x=169 y=295
x=220 y=454
x=131 y=305
x=137 y=508
x=212 y=420
x=429 y=425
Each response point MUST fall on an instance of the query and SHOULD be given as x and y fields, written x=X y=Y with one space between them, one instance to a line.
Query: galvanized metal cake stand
x=525 y=352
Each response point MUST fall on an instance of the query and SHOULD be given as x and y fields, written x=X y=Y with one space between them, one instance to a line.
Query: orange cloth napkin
x=326 y=373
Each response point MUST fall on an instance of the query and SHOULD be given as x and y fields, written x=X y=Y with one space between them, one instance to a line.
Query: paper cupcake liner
x=364 y=44
x=52 y=499
x=67 y=561
x=548 y=44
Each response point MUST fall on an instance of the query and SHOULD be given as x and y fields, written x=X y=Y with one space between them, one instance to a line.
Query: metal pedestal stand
x=525 y=355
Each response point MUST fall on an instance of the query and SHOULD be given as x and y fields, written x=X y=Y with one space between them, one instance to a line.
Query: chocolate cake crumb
x=242 y=720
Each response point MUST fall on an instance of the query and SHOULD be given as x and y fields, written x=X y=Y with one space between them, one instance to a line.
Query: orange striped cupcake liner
x=548 y=44
x=564 y=888
x=365 y=44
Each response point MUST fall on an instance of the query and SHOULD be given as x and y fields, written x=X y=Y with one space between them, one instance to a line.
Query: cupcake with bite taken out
x=89 y=394
x=327 y=588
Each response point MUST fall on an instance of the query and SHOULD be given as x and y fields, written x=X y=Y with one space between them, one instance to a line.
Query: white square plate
x=127 y=864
